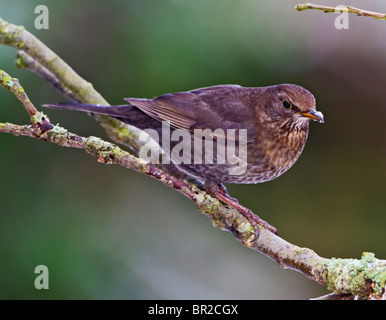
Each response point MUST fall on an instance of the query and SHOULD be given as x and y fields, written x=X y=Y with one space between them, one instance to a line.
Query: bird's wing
x=218 y=107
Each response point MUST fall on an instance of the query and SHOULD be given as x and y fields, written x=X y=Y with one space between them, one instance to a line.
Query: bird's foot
x=222 y=195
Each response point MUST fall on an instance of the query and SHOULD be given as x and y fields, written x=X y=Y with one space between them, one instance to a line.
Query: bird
x=257 y=133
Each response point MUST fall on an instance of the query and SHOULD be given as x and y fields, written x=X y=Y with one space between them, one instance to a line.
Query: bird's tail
x=126 y=113
x=113 y=111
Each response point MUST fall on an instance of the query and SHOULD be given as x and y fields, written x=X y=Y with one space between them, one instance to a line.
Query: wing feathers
x=212 y=108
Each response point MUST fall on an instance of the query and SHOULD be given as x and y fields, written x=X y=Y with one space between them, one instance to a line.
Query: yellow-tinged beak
x=314 y=115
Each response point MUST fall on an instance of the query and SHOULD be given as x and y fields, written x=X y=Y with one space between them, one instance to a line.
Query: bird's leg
x=221 y=194
x=224 y=192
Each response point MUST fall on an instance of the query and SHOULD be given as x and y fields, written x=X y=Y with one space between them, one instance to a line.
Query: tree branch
x=364 y=278
x=24 y=61
x=349 y=9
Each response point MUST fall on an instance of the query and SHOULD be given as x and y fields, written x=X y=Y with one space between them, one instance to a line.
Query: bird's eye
x=287 y=104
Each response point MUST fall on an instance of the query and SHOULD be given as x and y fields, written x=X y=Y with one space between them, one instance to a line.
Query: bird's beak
x=314 y=115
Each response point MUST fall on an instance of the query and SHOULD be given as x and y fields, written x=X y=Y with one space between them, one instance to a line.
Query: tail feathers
x=114 y=111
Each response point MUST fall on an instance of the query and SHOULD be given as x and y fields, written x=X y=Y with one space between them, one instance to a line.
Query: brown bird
x=223 y=134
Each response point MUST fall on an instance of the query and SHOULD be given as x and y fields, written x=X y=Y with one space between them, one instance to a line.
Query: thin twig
x=334 y=296
x=24 y=61
x=12 y=84
x=349 y=9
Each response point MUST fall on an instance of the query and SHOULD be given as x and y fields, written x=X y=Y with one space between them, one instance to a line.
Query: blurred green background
x=109 y=233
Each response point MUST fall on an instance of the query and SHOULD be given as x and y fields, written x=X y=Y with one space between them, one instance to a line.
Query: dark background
x=109 y=233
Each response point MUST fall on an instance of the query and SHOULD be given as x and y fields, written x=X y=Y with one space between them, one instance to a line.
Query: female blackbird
x=223 y=134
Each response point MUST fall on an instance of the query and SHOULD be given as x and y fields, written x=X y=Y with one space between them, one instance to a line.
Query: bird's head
x=289 y=101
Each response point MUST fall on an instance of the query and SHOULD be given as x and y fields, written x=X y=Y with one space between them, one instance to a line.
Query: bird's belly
x=253 y=164
x=225 y=173
x=257 y=174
